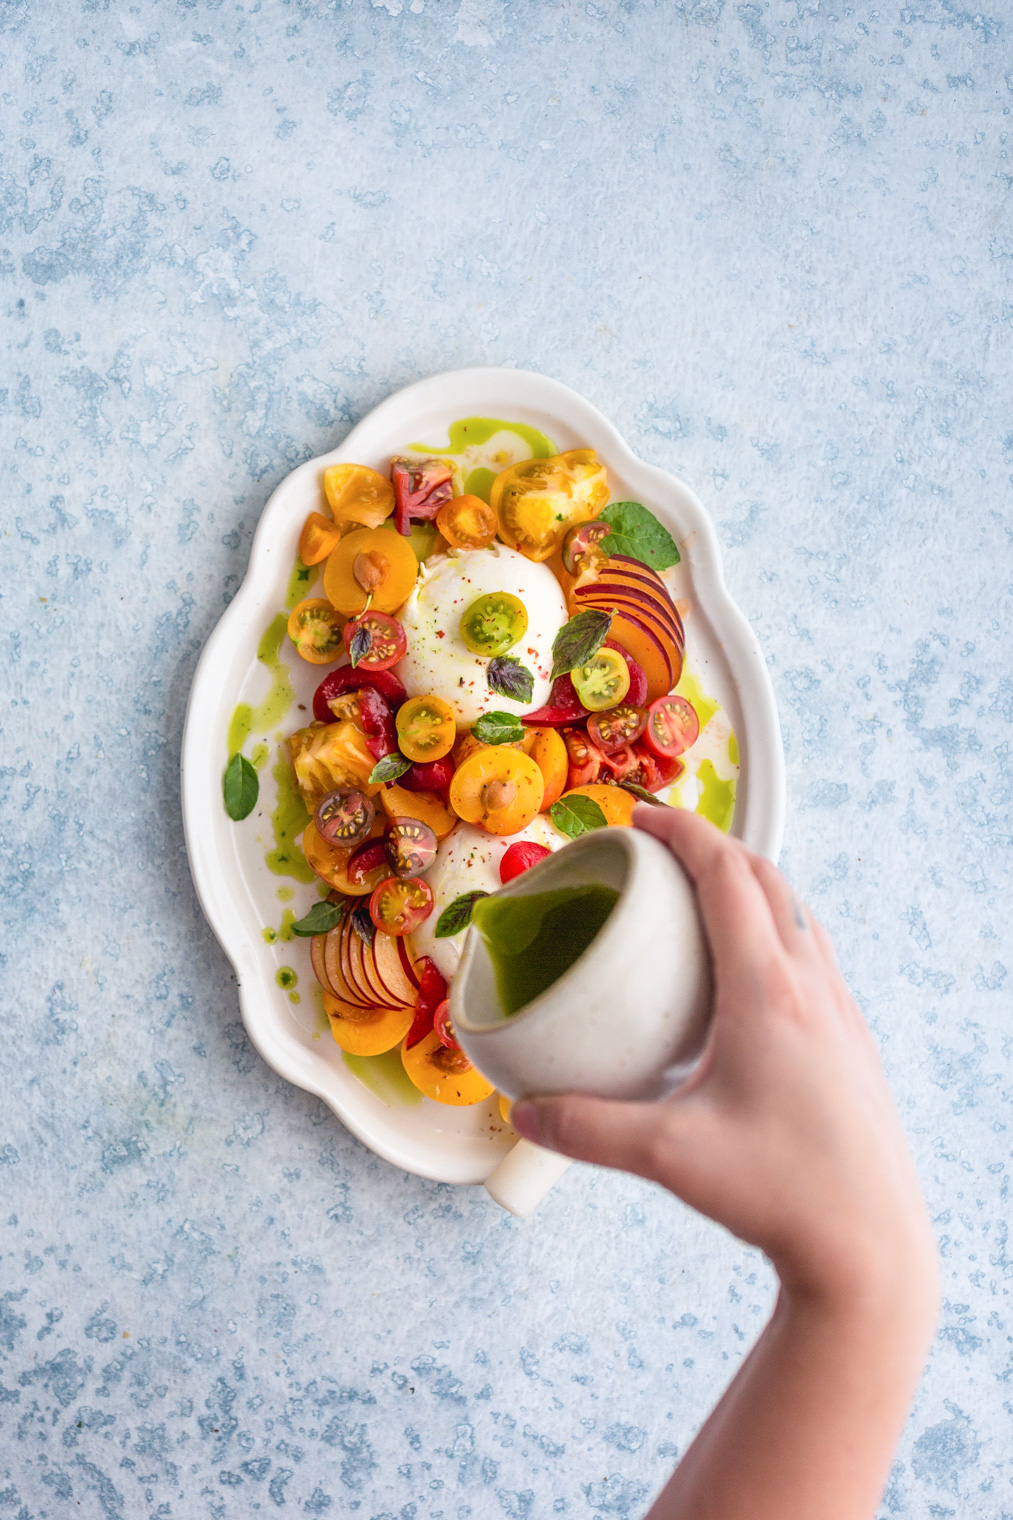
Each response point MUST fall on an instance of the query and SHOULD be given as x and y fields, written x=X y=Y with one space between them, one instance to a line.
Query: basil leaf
x=578 y=640
x=240 y=788
x=642 y=794
x=362 y=923
x=507 y=677
x=638 y=533
x=458 y=916
x=360 y=645
x=498 y=728
x=389 y=768
x=577 y=815
x=320 y=918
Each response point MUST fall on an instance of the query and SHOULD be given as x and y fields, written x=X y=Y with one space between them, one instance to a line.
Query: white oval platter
x=239 y=894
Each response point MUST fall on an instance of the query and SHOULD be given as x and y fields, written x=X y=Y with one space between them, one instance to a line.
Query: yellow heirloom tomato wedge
x=317 y=631
x=328 y=755
x=370 y=563
x=357 y=494
x=366 y=1032
x=318 y=537
x=537 y=501
x=443 y=1073
x=498 y=788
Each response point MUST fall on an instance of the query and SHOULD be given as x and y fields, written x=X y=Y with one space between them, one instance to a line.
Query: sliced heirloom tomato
x=370 y=565
x=616 y=726
x=345 y=679
x=563 y=707
x=602 y=681
x=377 y=723
x=520 y=857
x=585 y=759
x=467 y=522
x=538 y=500
x=315 y=629
x=432 y=992
x=397 y=907
x=375 y=641
x=421 y=486
x=426 y=728
x=318 y=537
x=672 y=726
x=357 y=494
x=653 y=772
x=493 y=623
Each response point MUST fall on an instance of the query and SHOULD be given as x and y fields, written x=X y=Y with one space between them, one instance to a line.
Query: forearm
x=810 y=1423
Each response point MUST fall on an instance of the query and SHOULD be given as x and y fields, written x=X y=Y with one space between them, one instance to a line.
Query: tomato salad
x=502 y=678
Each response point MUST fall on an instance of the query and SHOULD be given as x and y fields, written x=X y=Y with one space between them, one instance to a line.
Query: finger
x=599 y=1130
x=789 y=913
x=734 y=908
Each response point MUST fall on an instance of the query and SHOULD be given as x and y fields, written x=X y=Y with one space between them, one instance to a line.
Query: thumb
x=630 y=1136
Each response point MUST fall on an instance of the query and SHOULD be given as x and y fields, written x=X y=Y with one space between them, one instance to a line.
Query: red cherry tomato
x=637 y=694
x=421 y=486
x=563 y=706
x=443 y=1027
x=398 y=907
x=520 y=857
x=384 y=638
x=432 y=992
x=672 y=726
x=346 y=679
x=377 y=723
x=428 y=775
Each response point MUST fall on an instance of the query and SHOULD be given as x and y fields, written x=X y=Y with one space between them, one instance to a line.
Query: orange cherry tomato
x=672 y=726
x=467 y=522
x=398 y=907
x=318 y=537
x=384 y=639
x=426 y=728
x=316 y=630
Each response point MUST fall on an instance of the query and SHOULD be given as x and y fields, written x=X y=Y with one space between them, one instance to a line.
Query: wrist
x=883 y=1286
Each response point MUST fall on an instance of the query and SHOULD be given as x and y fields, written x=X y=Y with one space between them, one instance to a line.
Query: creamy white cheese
x=439 y=663
x=468 y=861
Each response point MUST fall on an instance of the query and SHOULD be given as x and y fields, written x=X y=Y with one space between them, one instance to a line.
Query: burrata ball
x=439 y=663
x=468 y=861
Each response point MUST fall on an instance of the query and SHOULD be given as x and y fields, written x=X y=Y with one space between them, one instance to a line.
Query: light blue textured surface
x=773 y=243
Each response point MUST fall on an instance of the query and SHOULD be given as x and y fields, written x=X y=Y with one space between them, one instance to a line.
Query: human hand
x=786 y=1133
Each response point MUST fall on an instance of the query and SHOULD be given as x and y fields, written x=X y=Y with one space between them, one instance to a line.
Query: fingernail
x=524 y=1118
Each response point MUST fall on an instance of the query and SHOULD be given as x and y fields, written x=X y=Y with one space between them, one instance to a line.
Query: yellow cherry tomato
x=358 y=494
x=467 y=522
x=317 y=631
x=426 y=728
x=493 y=623
x=318 y=537
x=539 y=500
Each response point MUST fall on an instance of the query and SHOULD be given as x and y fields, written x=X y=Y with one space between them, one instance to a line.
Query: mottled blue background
x=773 y=242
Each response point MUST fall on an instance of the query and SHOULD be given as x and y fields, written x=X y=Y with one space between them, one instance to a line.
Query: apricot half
x=426 y=807
x=370 y=561
x=498 y=788
x=548 y=750
x=443 y=1073
x=367 y=1033
x=615 y=802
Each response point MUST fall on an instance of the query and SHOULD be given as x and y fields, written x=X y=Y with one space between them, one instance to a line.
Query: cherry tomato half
x=467 y=522
x=493 y=623
x=367 y=858
x=426 y=728
x=345 y=678
x=344 y=817
x=617 y=726
x=380 y=641
x=429 y=776
x=398 y=907
x=377 y=723
x=603 y=681
x=411 y=847
x=432 y=992
x=520 y=857
x=315 y=629
x=443 y=1027
x=582 y=544
x=672 y=726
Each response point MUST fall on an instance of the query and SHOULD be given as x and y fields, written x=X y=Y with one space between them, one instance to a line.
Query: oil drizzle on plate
x=386 y=1077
